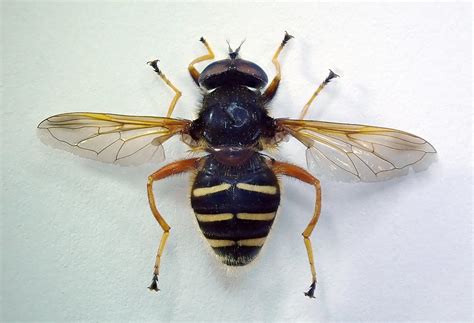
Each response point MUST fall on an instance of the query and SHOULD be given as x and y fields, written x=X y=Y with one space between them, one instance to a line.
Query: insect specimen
x=235 y=193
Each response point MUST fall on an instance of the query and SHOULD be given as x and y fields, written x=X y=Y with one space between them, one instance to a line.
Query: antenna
x=234 y=53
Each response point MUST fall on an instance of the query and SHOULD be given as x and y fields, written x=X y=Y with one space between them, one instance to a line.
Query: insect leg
x=177 y=95
x=210 y=55
x=166 y=171
x=303 y=175
x=270 y=91
x=315 y=94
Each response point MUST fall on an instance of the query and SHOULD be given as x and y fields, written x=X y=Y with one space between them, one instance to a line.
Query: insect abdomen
x=235 y=207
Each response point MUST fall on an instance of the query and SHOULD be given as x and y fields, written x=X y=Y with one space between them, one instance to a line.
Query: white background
x=79 y=241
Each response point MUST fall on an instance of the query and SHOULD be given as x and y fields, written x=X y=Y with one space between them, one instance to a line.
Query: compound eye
x=253 y=74
x=233 y=72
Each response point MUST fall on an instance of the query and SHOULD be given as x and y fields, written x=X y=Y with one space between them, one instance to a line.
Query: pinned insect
x=235 y=194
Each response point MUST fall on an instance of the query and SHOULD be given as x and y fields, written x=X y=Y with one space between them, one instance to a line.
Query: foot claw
x=331 y=76
x=286 y=38
x=154 y=65
x=310 y=292
x=154 y=284
x=202 y=40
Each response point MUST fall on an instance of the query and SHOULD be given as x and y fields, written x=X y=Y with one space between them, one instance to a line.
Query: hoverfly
x=235 y=193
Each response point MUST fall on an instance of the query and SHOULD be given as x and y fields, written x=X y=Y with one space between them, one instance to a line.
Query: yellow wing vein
x=378 y=132
x=361 y=152
x=128 y=140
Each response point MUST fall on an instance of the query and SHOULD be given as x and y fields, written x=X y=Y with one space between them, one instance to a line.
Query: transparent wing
x=350 y=152
x=110 y=138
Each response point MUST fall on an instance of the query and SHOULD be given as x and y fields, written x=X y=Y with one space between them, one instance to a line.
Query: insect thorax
x=232 y=116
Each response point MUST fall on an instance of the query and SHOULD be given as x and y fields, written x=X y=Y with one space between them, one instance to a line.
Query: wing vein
x=84 y=132
x=365 y=152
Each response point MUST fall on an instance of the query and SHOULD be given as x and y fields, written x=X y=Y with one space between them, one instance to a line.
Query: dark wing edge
x=111 y=138
x=352 y=152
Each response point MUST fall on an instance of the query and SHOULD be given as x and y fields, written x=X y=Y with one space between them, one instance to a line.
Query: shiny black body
x=233 y=121
x=232 y=115
x=236 y=201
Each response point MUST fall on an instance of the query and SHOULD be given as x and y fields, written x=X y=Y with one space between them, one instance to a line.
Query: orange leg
x=303 y=175
x=273 y=87
x=166 y=171
x=210 y=55
x=315 y=94
x=177 y=93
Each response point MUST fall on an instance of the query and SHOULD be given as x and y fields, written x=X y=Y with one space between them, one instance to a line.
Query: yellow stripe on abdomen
x=258 y=242
x=256 y=216
x=214 y=217
x=221 y=243
x=203 y=191
x=265 y=189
